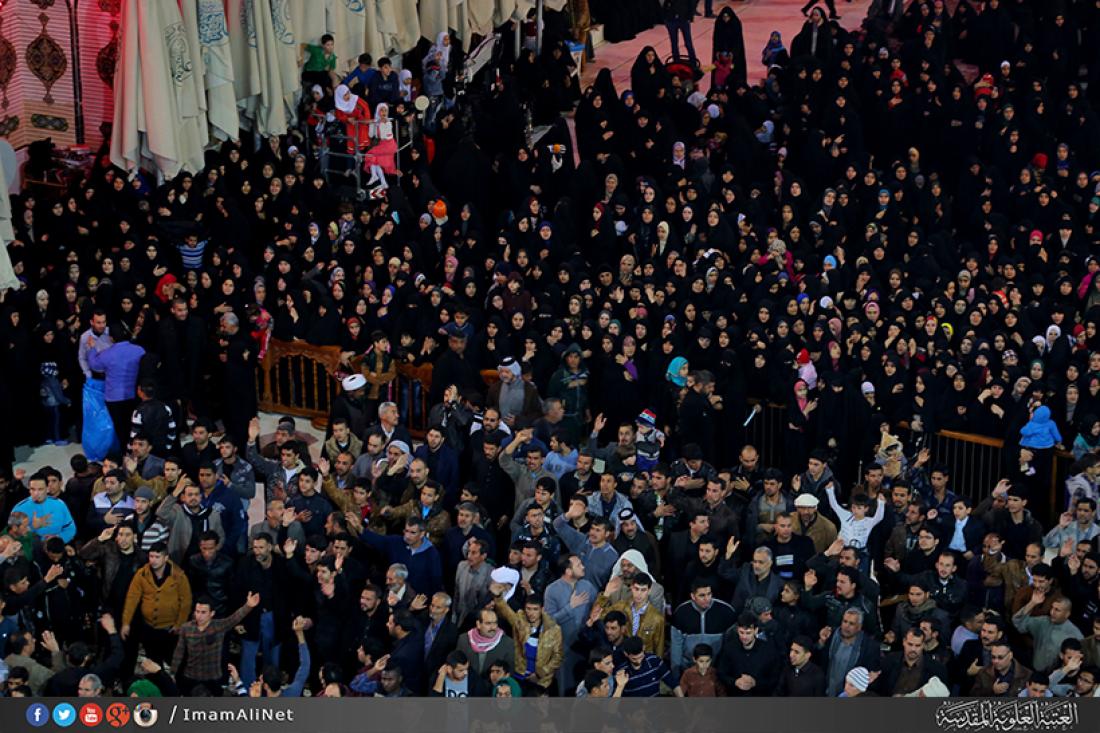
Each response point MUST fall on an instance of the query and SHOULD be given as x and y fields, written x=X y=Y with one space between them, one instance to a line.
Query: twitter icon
x=64 y=715
x=38 y=715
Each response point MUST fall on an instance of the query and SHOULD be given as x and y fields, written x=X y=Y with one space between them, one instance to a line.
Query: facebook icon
x=38 y=715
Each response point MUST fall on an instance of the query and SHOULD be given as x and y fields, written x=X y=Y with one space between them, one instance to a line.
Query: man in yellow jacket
x=161 y=592
x=539 y=649
x=644 y=620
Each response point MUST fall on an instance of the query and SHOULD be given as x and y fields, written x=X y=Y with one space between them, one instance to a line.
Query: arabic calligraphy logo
x=1021 y=714
x=179 y=53
x=212 y=27
x=280 y=21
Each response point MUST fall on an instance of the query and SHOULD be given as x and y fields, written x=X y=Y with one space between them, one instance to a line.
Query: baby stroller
x=688 y=70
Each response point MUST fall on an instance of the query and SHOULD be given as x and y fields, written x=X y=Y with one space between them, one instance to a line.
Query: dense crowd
x=895 y=233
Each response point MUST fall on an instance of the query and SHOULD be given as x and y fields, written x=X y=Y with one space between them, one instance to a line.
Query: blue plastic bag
x=98 y=435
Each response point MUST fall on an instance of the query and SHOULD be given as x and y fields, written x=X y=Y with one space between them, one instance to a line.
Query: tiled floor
x=758 y=18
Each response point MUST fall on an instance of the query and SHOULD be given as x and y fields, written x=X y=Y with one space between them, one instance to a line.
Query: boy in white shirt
x=855 y=525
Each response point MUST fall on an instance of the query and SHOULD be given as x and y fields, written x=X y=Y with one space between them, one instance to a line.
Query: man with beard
x=238 y=355
x=181 y=342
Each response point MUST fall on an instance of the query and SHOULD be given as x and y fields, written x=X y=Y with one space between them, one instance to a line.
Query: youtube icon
x=91 y=715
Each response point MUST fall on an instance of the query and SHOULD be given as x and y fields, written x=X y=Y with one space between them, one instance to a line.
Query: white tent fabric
x=157 y=119
x=208 y=17
x=459 y=17
x=286 y=44
x=382 y=24
x=481 y=14
x=408 y=26
x=309 y=23
x=190 y=18
x=436 y=17
x=246 y=62
x=504 y=10
x=347 y=22
x=8 y=280
x=271 y=110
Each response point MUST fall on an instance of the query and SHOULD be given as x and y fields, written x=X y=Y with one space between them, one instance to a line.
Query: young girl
x=381 y=158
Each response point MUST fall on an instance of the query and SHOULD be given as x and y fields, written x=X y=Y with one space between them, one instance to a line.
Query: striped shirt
x=645 y=681
x=192 y=256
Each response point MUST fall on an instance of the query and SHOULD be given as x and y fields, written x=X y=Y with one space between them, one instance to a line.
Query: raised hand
x=50 y=641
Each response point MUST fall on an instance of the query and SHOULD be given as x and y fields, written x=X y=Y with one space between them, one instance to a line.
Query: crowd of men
x=895 y=233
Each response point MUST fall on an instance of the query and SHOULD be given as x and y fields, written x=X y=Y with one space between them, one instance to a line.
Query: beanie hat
x=143 y=688
x=826 y=302
x=803 y=357
x=859 y=678
x=439 y=209
x=830 y=260
x=647 y=418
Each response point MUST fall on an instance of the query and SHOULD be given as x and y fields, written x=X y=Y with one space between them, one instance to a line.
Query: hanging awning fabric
x=408 y=27
x=246 y=63
x=309 y=21
x=195 y=72
x=480 y=14
x=158 y=121
x=347 y=22
x=208 y=19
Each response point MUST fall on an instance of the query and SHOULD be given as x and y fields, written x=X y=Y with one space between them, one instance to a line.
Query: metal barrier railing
x=976 y=462
x=299 y=379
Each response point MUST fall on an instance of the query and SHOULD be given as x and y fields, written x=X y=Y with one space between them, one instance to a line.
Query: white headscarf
x=345 y=100
x=635 y=558
x=444 y=48
x=439 y=46
x=404 y=80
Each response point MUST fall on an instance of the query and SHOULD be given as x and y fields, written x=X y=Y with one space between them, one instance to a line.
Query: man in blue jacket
x=412 y=549
x=221 y=498
x=119 y=364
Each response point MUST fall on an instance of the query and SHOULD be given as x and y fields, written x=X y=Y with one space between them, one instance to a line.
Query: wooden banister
x=297 y=378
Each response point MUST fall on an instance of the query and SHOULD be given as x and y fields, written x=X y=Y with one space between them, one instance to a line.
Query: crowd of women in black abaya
x=911 y=206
